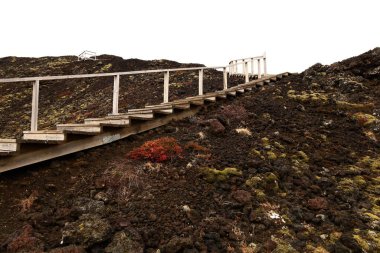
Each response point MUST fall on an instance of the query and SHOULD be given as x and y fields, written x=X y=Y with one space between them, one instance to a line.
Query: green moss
x=214 y=175
x=363 y=243
x=271 y=155
x=308 y=97
x=257 y=153
x=254 y=182
x=260 y=195
x=302 y=155
x=359 y=181
x=343 y=105
x=105 y=68
x=283 y=246
x=346 y=185
x=265 y=141
x=364 y=119
x=278 y=145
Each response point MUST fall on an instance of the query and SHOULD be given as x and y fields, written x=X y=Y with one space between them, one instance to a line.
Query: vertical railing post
x=252 y=67
x=224 y=79
x=236 y=67
x=265 y=66
x=115 y=101
x=200 y=88
x=166 y=87
x=35 y=96
x=246 y=72
x=258 y=68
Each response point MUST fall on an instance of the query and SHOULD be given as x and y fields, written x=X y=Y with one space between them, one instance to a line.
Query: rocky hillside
x=291 y=167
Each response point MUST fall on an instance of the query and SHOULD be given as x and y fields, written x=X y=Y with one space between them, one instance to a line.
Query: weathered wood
x=157 y=110
x=35 y=98
x=231 y=93
x=85 y=129
x=200 y=85
x=9 y=145
x=116 y=122
x=46 y=153
x=115 y=100
x=166 y=87
x=44 y=136
x=225 y=84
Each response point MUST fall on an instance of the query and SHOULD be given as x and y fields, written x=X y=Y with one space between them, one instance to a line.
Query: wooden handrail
x=115 y=104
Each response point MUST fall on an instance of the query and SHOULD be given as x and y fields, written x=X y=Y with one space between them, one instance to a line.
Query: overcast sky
x=294 y=33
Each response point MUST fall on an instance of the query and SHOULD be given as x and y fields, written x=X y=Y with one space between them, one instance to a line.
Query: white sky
x=294 y=33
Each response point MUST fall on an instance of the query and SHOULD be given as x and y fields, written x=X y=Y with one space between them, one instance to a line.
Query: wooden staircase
x=37 y=146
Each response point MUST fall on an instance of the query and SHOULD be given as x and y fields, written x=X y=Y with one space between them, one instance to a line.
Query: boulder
x=88 y=230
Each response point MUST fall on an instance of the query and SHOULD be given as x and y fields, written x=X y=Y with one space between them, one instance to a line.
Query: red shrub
x=158 y=150
x=25 y=241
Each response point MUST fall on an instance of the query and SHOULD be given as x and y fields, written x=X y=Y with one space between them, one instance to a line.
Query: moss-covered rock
x=213 y=175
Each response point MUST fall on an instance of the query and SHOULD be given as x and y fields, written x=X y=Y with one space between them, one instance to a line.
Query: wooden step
x=181 y=105
x=168 y=110
x=85 y=129
x=279 y=76
x=241 y=91
x=231 y=93
x=195 y=101
x=210 y=99
x=9 y=147
x=44 y=136
x=273 y=78
x=143 y=115
x=110 y=122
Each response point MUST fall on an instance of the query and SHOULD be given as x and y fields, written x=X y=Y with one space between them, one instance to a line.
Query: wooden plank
x=9 y=145
x=211 y=99
x=241 y=91
x=44 y=136
x=167 y=110
x=46 y=153
x=85 y=129
x=231 y=93
x=114 y=122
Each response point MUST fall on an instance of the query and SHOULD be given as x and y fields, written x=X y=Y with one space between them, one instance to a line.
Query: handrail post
x=252 y=67
x=116 y=87
x=236 y=67
x=200 y=88
x=242 y=67
x=166 y=87
x=265 y=66
x=258 y=68
x=35 y=96
x=224 y=78
x=246 y=71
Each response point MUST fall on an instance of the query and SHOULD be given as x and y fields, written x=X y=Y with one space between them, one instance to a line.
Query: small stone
x=122 y=242
x=69 y=249
x=317 y=203
x=324 y=236
x=242 y=196
x=186 y=208
x=88 y=230
x=152 y=217
x=102 y=196
x=51 y=187
x=216 y=127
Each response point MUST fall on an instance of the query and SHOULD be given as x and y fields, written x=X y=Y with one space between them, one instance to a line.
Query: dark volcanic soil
x=292 y=167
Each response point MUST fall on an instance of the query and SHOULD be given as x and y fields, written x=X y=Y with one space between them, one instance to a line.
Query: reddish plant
x=25 y=242
x=158 y=150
